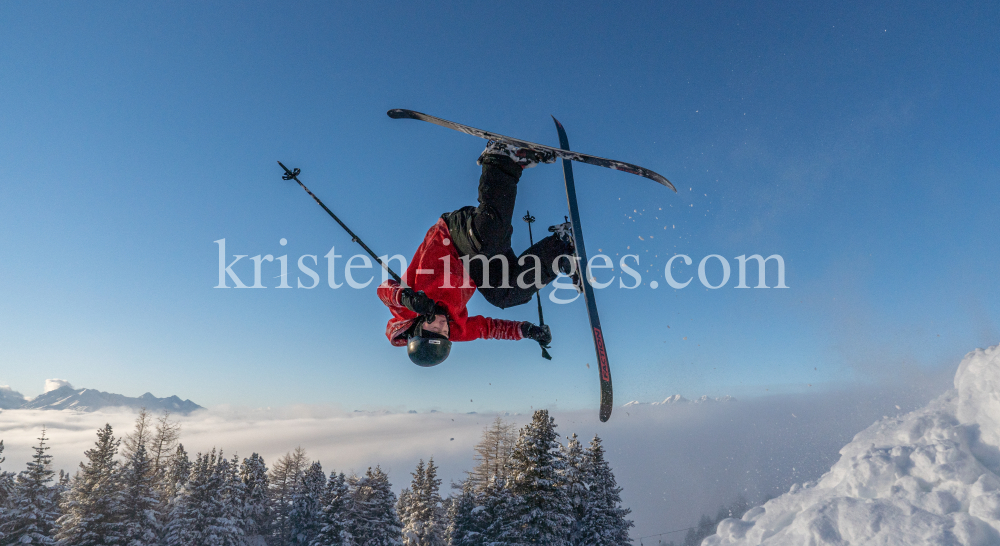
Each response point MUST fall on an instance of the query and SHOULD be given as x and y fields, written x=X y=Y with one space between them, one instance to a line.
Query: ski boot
x=524 y=157
x=564 y=232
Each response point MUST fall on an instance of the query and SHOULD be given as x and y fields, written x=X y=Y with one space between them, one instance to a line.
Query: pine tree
x=493 y=453
x=499 y=515
x=171 y=487
x=6 y=485
x=92 y=506
x=404 y=506
x=435 y=524
x=61 y=486
x=543 y=514
x=6 y=493
x=139 y=436
x=176 y=475
x=706 y=526
x=307 y=505
x=407 y=507
x=256 y=506
x=228 y=525
x=163 y=445
x=335 y=520
x=32 y=511
x=196 y=514
x=604 y=521
x=182 y=520
x=140 y=518
x=375 y=522
x=284 y=479
x=572 y=480
x=426 y=516
x=420 y=511
x=465 y=527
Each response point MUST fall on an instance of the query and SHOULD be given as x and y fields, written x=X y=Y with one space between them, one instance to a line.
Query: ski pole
x=541 y=320
x=293 y=174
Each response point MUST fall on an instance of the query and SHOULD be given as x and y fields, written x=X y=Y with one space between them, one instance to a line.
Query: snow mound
x=928 y=477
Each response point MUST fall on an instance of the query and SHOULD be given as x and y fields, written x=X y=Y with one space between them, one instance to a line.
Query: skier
x=468 y=250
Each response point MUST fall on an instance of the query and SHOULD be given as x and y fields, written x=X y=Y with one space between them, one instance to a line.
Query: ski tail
x=564 y=153
x=604 y=369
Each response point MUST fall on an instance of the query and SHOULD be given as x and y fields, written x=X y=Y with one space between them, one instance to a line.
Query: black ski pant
x=482 y=238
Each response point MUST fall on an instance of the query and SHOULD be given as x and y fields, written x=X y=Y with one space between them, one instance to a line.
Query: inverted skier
x=468 y=250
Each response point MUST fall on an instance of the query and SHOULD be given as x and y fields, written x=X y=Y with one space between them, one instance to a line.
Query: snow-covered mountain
x=678 y=399
x=9 y=398
x=928 y=477
x=60 y=395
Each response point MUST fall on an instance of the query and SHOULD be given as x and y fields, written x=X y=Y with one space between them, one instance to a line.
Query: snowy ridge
x=927 y=477
x=9 y=398
x=65 y=397
x=678 y=399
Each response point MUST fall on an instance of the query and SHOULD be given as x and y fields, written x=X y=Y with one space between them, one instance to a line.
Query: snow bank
x=928 y=477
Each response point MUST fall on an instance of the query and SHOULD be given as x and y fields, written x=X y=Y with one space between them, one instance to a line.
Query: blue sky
x=857 y=141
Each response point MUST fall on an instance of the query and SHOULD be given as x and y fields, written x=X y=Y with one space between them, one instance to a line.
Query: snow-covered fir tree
x=61 y=487
x=6 y=485
x=199 y=514
x=230 y=525
x=139 y=512
x=284 y=479
x=256 y=505
x=336 y=518
x=420 y=508
x=94 y=502
x=32 y=510
x=403 y=504
x=307 y=504
x=6 y=490
x=572 y=481
x=374 y=519
x=604 y=522
x=540 y=493
x=185 y=520
x=433 y=517
x=465 y=527
x=543 y=513
x=499 y=514
x=176 y=475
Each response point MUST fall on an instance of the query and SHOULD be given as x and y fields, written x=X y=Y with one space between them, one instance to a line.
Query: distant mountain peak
x=678 y=399
x=60 y=395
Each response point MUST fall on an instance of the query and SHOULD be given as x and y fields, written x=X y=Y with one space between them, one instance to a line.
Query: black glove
x=418 y=302
x=541 y=334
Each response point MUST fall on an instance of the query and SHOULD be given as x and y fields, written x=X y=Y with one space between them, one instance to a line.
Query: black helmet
x=427 y=348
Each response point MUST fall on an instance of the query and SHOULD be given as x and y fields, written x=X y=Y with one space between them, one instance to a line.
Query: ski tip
x=399 y=113
x=560 y=125
x=605 y=415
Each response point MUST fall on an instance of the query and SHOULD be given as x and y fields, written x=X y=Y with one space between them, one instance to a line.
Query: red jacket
x=437 y=270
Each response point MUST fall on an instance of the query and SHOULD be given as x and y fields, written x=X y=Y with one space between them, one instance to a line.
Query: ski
x=564 y=153
x=604 y=370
